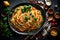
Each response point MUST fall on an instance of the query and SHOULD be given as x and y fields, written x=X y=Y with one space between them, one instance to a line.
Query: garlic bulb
x=48 y=2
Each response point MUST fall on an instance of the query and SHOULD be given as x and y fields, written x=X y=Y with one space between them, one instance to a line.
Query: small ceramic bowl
x=53 y=32
x=57 y=15
x=50 y=11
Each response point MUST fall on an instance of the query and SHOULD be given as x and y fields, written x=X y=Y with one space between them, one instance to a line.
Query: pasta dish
x=26 y=18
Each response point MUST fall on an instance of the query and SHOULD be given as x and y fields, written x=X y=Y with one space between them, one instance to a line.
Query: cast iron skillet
x=32 y=32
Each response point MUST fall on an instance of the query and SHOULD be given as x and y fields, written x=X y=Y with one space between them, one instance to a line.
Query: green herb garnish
x=6 y=9
x=30 y=13
x=27 y=18
x=5 y=18
x=25 y=9
x=16 y=9
x=19 y=25
x=35 y=18
x=32 y=23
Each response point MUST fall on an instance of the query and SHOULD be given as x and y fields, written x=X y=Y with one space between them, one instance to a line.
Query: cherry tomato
x=53 y=20
x=35 y=13
x=53 y=24
x=19 y=20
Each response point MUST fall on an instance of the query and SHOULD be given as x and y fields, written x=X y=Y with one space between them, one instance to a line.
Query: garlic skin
x=48 y=3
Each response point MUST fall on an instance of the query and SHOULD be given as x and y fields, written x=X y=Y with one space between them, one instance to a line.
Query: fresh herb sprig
x=4 y=25
x=8 y=11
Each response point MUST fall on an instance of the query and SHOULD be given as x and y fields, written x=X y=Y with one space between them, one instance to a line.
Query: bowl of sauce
x=53 y=32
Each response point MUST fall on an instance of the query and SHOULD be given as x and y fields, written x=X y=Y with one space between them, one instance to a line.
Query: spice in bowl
x=53 y=31
x=50 y=11
x=57 y=15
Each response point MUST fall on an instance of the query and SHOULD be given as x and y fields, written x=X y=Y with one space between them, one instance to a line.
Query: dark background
x=15 y=2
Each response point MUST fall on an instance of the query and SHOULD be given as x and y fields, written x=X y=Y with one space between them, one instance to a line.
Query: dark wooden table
x=21 y=37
